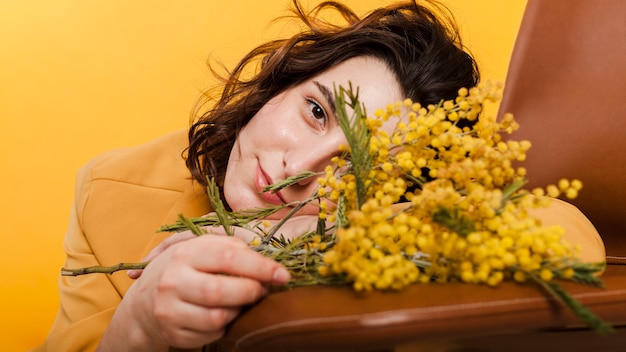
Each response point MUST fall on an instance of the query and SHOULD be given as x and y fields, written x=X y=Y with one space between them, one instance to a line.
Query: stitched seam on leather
x=414 y=311
x=616 y=257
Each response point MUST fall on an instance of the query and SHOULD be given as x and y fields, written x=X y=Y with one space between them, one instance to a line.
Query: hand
x=293 y=227
x=241 y=233
x=190 y=292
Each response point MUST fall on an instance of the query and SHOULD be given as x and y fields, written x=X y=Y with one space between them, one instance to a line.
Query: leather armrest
x=325 y=318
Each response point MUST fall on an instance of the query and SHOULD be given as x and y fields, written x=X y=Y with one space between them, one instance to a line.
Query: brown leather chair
x=567 y=88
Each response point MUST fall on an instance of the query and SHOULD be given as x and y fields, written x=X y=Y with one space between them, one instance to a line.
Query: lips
x=261 y=181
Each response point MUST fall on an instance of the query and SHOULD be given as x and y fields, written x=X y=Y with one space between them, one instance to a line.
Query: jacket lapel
x=193 y=202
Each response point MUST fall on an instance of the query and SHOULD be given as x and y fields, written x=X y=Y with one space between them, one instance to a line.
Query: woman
x=261 y=130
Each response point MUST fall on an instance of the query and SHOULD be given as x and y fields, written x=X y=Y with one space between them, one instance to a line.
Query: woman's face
x=297 y=131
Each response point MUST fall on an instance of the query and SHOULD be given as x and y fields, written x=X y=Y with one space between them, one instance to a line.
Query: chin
x=310 y=210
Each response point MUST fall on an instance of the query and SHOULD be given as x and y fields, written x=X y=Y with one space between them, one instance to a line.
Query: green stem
x=582 y=312
x=282 y=221
x=103 y=269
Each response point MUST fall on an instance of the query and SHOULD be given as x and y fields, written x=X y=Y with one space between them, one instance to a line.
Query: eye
x=316 y=112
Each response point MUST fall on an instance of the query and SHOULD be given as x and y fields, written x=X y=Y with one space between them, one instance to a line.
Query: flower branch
x=429 y=202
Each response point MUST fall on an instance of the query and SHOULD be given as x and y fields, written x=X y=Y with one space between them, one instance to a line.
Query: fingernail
x=132 y=273
x=281 y=276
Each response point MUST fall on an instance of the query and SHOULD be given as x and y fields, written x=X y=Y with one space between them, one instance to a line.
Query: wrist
x=130 y=330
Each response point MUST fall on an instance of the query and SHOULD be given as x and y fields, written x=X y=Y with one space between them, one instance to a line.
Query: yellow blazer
x=122 y=198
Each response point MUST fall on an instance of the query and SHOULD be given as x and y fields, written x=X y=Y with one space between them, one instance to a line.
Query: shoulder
x=155 y=164
x=137 y=185
x=125 y=195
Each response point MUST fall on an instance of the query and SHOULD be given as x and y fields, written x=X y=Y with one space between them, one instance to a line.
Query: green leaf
x=195 y=229
x=582 y=312
x=358 y=137
x=290 y=181
x=218 y=206
x=454 y=220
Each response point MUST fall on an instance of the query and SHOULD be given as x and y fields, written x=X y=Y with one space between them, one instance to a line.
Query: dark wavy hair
x=421 y=47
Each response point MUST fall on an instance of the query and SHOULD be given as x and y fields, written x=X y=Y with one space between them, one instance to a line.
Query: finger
x=228 y=255
x=191 y=339
x=217 y=290
x=183 y=315
x=134 y=273
x=187 y=325
x=160 y=248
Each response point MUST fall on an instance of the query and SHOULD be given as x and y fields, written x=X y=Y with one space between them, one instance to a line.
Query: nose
x=313 y=154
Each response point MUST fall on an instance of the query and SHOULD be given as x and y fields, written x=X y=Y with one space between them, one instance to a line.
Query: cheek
x=235 y=154
x=253 y=132
x=269 y=134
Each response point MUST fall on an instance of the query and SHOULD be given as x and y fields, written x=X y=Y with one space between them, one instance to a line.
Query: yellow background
x=79 y=77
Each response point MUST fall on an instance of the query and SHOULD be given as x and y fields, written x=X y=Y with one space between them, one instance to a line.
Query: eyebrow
x=328 y=95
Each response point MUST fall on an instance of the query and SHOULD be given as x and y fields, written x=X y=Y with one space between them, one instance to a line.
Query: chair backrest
x=567 y=88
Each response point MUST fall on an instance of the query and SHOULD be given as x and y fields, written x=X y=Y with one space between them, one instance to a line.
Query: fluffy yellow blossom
x=431 y=201
x=466 y=216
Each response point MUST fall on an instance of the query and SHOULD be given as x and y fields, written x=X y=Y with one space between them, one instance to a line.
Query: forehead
x=376 y=83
